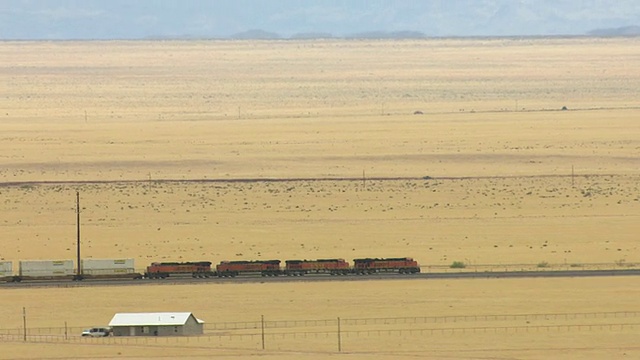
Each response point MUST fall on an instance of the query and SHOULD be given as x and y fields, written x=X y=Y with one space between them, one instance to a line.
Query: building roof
x=151 y=319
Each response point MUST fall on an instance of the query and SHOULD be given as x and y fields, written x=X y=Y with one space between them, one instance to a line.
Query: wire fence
x=328 y=339
x=468 y=266
x=232 y=327
x=331 y=334
x=280 y=324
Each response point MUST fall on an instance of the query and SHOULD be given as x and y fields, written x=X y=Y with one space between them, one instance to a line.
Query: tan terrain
x=442 y=150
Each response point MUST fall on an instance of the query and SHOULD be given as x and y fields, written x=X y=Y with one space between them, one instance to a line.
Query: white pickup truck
x=97 y=332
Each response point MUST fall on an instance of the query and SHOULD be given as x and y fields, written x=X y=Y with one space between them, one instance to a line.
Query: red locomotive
x=235 y=268
x=370 y=266
x=321 y=266
x=161 y=270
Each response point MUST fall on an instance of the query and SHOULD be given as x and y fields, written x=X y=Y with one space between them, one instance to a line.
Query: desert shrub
x=623 y=263
x=543 y=264
x=458 y=265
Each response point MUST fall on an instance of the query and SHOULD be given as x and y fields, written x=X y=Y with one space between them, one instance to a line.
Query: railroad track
x=324 y=278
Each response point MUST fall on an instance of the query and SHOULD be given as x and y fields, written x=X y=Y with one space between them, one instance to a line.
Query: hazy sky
x=131 y=19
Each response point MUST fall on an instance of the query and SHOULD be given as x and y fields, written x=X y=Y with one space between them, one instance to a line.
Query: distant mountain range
x=305 y=19
x=621 y=31
x=257 y=34
x=261 y=34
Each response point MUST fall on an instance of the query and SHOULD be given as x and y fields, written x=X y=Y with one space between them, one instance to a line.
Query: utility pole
x=79 y=268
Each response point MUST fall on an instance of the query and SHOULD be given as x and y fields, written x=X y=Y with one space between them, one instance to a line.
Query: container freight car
x=6 y=271
x=320 y=266
x=235 y=268
x=6 y=268
x=109 y=269
x=162 y=270
x=371 y=266
x=45 y=270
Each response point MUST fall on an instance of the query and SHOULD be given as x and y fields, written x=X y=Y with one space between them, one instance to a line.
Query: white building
x=156 y=324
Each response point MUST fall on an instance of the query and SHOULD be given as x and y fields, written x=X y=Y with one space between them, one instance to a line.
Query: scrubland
x=442 y=150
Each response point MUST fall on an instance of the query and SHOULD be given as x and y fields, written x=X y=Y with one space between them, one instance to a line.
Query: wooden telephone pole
x=79 y=268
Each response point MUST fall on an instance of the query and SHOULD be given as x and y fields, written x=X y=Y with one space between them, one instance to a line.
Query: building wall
x=191 y=327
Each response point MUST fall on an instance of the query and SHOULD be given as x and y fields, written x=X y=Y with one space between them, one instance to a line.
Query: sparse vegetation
x=501 y=185
x=623 y=263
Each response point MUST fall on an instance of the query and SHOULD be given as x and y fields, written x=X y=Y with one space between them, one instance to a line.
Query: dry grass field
x=592 y=335
x=170 y=143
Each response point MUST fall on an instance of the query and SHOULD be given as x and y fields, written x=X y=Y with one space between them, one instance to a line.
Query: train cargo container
x=320 y=266
x=197 y=269
x=6 y=268
x=45 y=269
x=107 y=266
x=235 y=268
x=371 y=266
x=109 y=269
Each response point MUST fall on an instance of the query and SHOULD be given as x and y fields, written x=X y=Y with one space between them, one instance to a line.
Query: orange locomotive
x=320 y=266
x=370 y=266
x=203 y=269
x=162 y=270
x=234 y=268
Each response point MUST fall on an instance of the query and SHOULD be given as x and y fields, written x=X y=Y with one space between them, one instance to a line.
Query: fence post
x=65 y=331
x=339 y=337
x=262 y=327
x=24 y=323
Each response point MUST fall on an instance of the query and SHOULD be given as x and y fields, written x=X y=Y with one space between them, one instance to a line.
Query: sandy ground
x=511 y=181
x=570 y=305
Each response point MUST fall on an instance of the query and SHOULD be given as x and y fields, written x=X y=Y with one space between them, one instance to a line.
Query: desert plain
x=496 y=153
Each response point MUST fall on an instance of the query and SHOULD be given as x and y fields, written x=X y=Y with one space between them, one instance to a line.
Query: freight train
x=124 y=268
x=203 y=269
